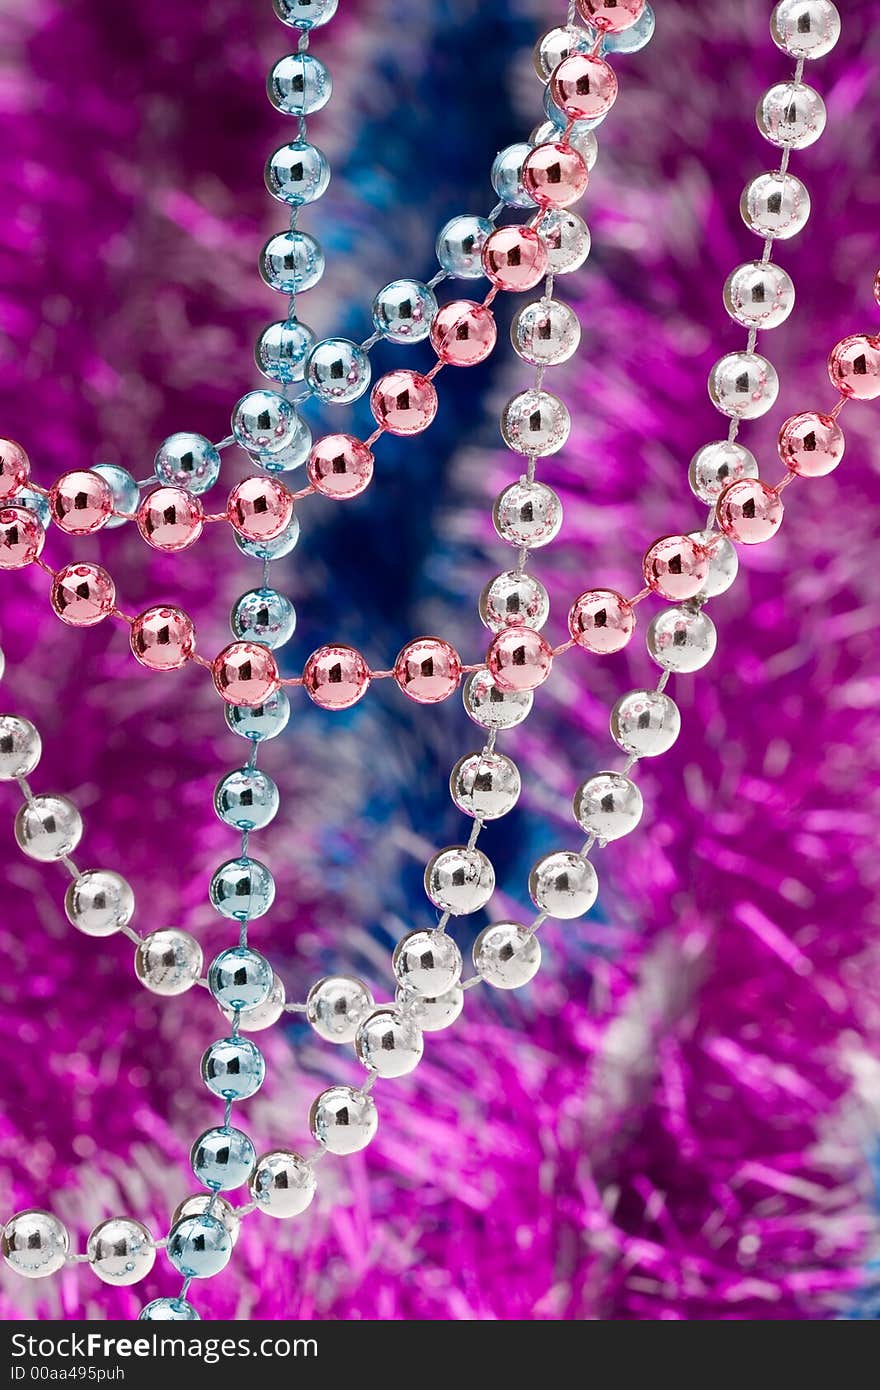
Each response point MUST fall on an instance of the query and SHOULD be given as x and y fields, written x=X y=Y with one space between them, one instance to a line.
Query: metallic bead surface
x=775 y=205
x=513 y=598
x=791 y=115
x=99 y=902
x=645 y=723
x=168 y=961
x=723 y=563
x=389 y=1043
x=48 y=828
x=759 y=295
x=485 y=785
x=427 y=962
x=490 y=706
x=20 y=747
x=35 y=1244
x=343 y=1120
x=535 y=423
x=506 y=955
x=429 y=1014
x=233 y=1068
x=527 y=514
x=199 y=1246
x=240 y=978
x=681 y=639
x=336 y=1006
x=282 y=1184
x=563 y=884
x=121 y=1251
x=223 y=1158
x=459 y=880
x=608 y=805
x=715 y=465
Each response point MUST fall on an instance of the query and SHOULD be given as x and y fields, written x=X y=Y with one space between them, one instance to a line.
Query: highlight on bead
x=601 y=621
x=80 y=502
x=676 y=567
x=404 y=402
x=515 y=258
x=162 y=638
x=170 y=519
x=519 y=659
x=584 y=87
x=463 y=333
x=749 y=511
x=14 y=468
x=340 y=466
x=854 y=367
x=245 y=673
x=554 y=175
x=611 y=16
x=811 y=444
x=82 y=594
x=21 y=537
x=335 y=677
x=259 y=508
x=428 y=669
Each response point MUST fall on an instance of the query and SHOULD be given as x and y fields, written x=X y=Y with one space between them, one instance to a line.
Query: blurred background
x=679 y=1118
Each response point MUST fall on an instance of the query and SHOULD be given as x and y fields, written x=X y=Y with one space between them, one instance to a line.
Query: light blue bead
x=199 y=1246
x=240 y=978
x=281 y=350
x=270 y=550
x=264 y=615
x=168 y=1310
x=337 y=370
x=242 y=889
x=222 y=1158
x=560 y=120
x=126 y=495
x=291 y=261
x=299 y=85
x=305 y=14
x=264 y=422
x=246 y=799
x=294 y=453
x=633 y=39
x=507 y=176
x=460 y=245
x=233 y=1068
x=403 y=310
x=35 y=502
x=189 y=461
x=297 y=173
x=260 y=721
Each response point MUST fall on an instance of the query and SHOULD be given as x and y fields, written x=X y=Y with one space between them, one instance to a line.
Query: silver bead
x=557 y=44
x=535 y=423
x=35 y=1244
x=565 y=235
x=20 y=747
x=48 y=828
x=121 y=1251
x=343 y=1120
x=506 y=955
x=743 y=385
x=459 y=880
x=723 y=562
x=527 y=514
x=427 y=962
x=198 y=1204
x=282 y=1184
x=805 y=28
x=99 y=902
x=716 y=465
x=491 y=707
x=168 y=961
x=336 y=1007
x=775 y=205
x=545 y=333
x=389 y=1043
x=263 y=1015
x=431 y=1015
x=514 y=598
x=681 y=639
x=608 y=805
x=759 y=294
x=645 y=723
x=484 y=785
x=563 y=885
x=792 y=115
x=582 y=139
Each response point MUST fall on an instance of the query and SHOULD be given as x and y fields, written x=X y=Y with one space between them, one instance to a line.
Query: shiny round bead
x=245 y=673
x=568 y=133
x=260 y=1016
x=485 y=785
x=259 y=508
x=514 y=598
x=554 y=175
x=389 y=1043
x=20 y=747
x=563 y=885
x=170 y=519
x=282 y=1184
x=199 y=1246
x=506 y=955
x=121 y=1251
x=759 y=295
x=162 y=639
x=292 y=262
x=775 y=205
x=490 y=706
x=743 y=385
x=675 y=567
x=545 y=333
x=611 y=16
x=246 y=799
x=581 y=137
x=583 y=86
x=515 y=258
x=264 y=422
x=81 y=502
x=21 y=537
x=199 y=1203
x=82 y=595
x=35 y=1244
x=14 y=467
x=242 y=889
x=681 y=639
x=297 y=173
x=749 y=511
x=527 y=514
x=336 y=677
x=99 y=902
x=463 y=333
x=608 y=805
x=188 y=461
x=168 y=1310
x=811 y=444
x=337 y=1006
x=343 y=1120
x=38 y=503
x=716 y=465
x=264 y=615
x=460 y=245
x=636 y=37
x=723 y=563
x=305 y=14
x=557 y=44
x=282 y=349
x=854 y=367
x=519 y=659
x=293 y=455
x=645 y=723
x=340 y=466
x=427 y=962
x=240 y=978
x=403 y=402
x=535 y=423
x=459 y=880
x=337 y=371
x=233 y=1068
x=428 y=670
x=271 y=550
x=168 y=961
x=792 y=115
x=48 y=828
x=266 y=720
x=403 y=310
x=507 y=176
x=430 y=1014
x=299 y=85
x=601 y=621
x=566 y=238
x=124 y=490
x=805 y=28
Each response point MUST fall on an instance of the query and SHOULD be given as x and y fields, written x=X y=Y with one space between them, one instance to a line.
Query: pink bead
x=515 y=258
x=854 y=367
x=14 y=467
x=601 y=621
x=21 y=537
x=676 y=567
x=82 y=595
x=336 y=677
x=80 y=502
x=259 y=508
x=463 y=333
x=554 y=175
x=170 y=519
x=584 y=87
x=404 y=402
x=611 y=16
x=749 y=511
x=519 y=659
x=245 y=673
x=428 y=670
x=811 y=444
x=340 y=466
x=163 y=639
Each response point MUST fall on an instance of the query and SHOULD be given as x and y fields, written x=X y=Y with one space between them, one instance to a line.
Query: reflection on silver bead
x=20 y=747
x=121 y=1251
x=491 y=707
x=427 y=962
x=545 y=333
x=336 y=1007
x=805 y=28
x=535 y=423
x=485 y=785
x=48 y=828
x=565 y=235
x=645 y=723
x=557 y=44
x=282 y=1184
x=263 y=1015
x=527 y=514
x=775 y=205
x=168 y=961
x=681 y=639
x=563 y=885
x=791 y=114
x=459 y=880
x=506 y=955
x=431 y=1015
x=507 y=176
x=35 y=1244
x=759 y=294
x=343 y=1120
x=515 y=599
x=743 y=385
x=389 y=1043
x=403 y=310
x=608 y=805
x=582 y=138
x=716 y=465
x=723 y=562
x=198 y=1204
x=460 y=244
x=99 y=902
